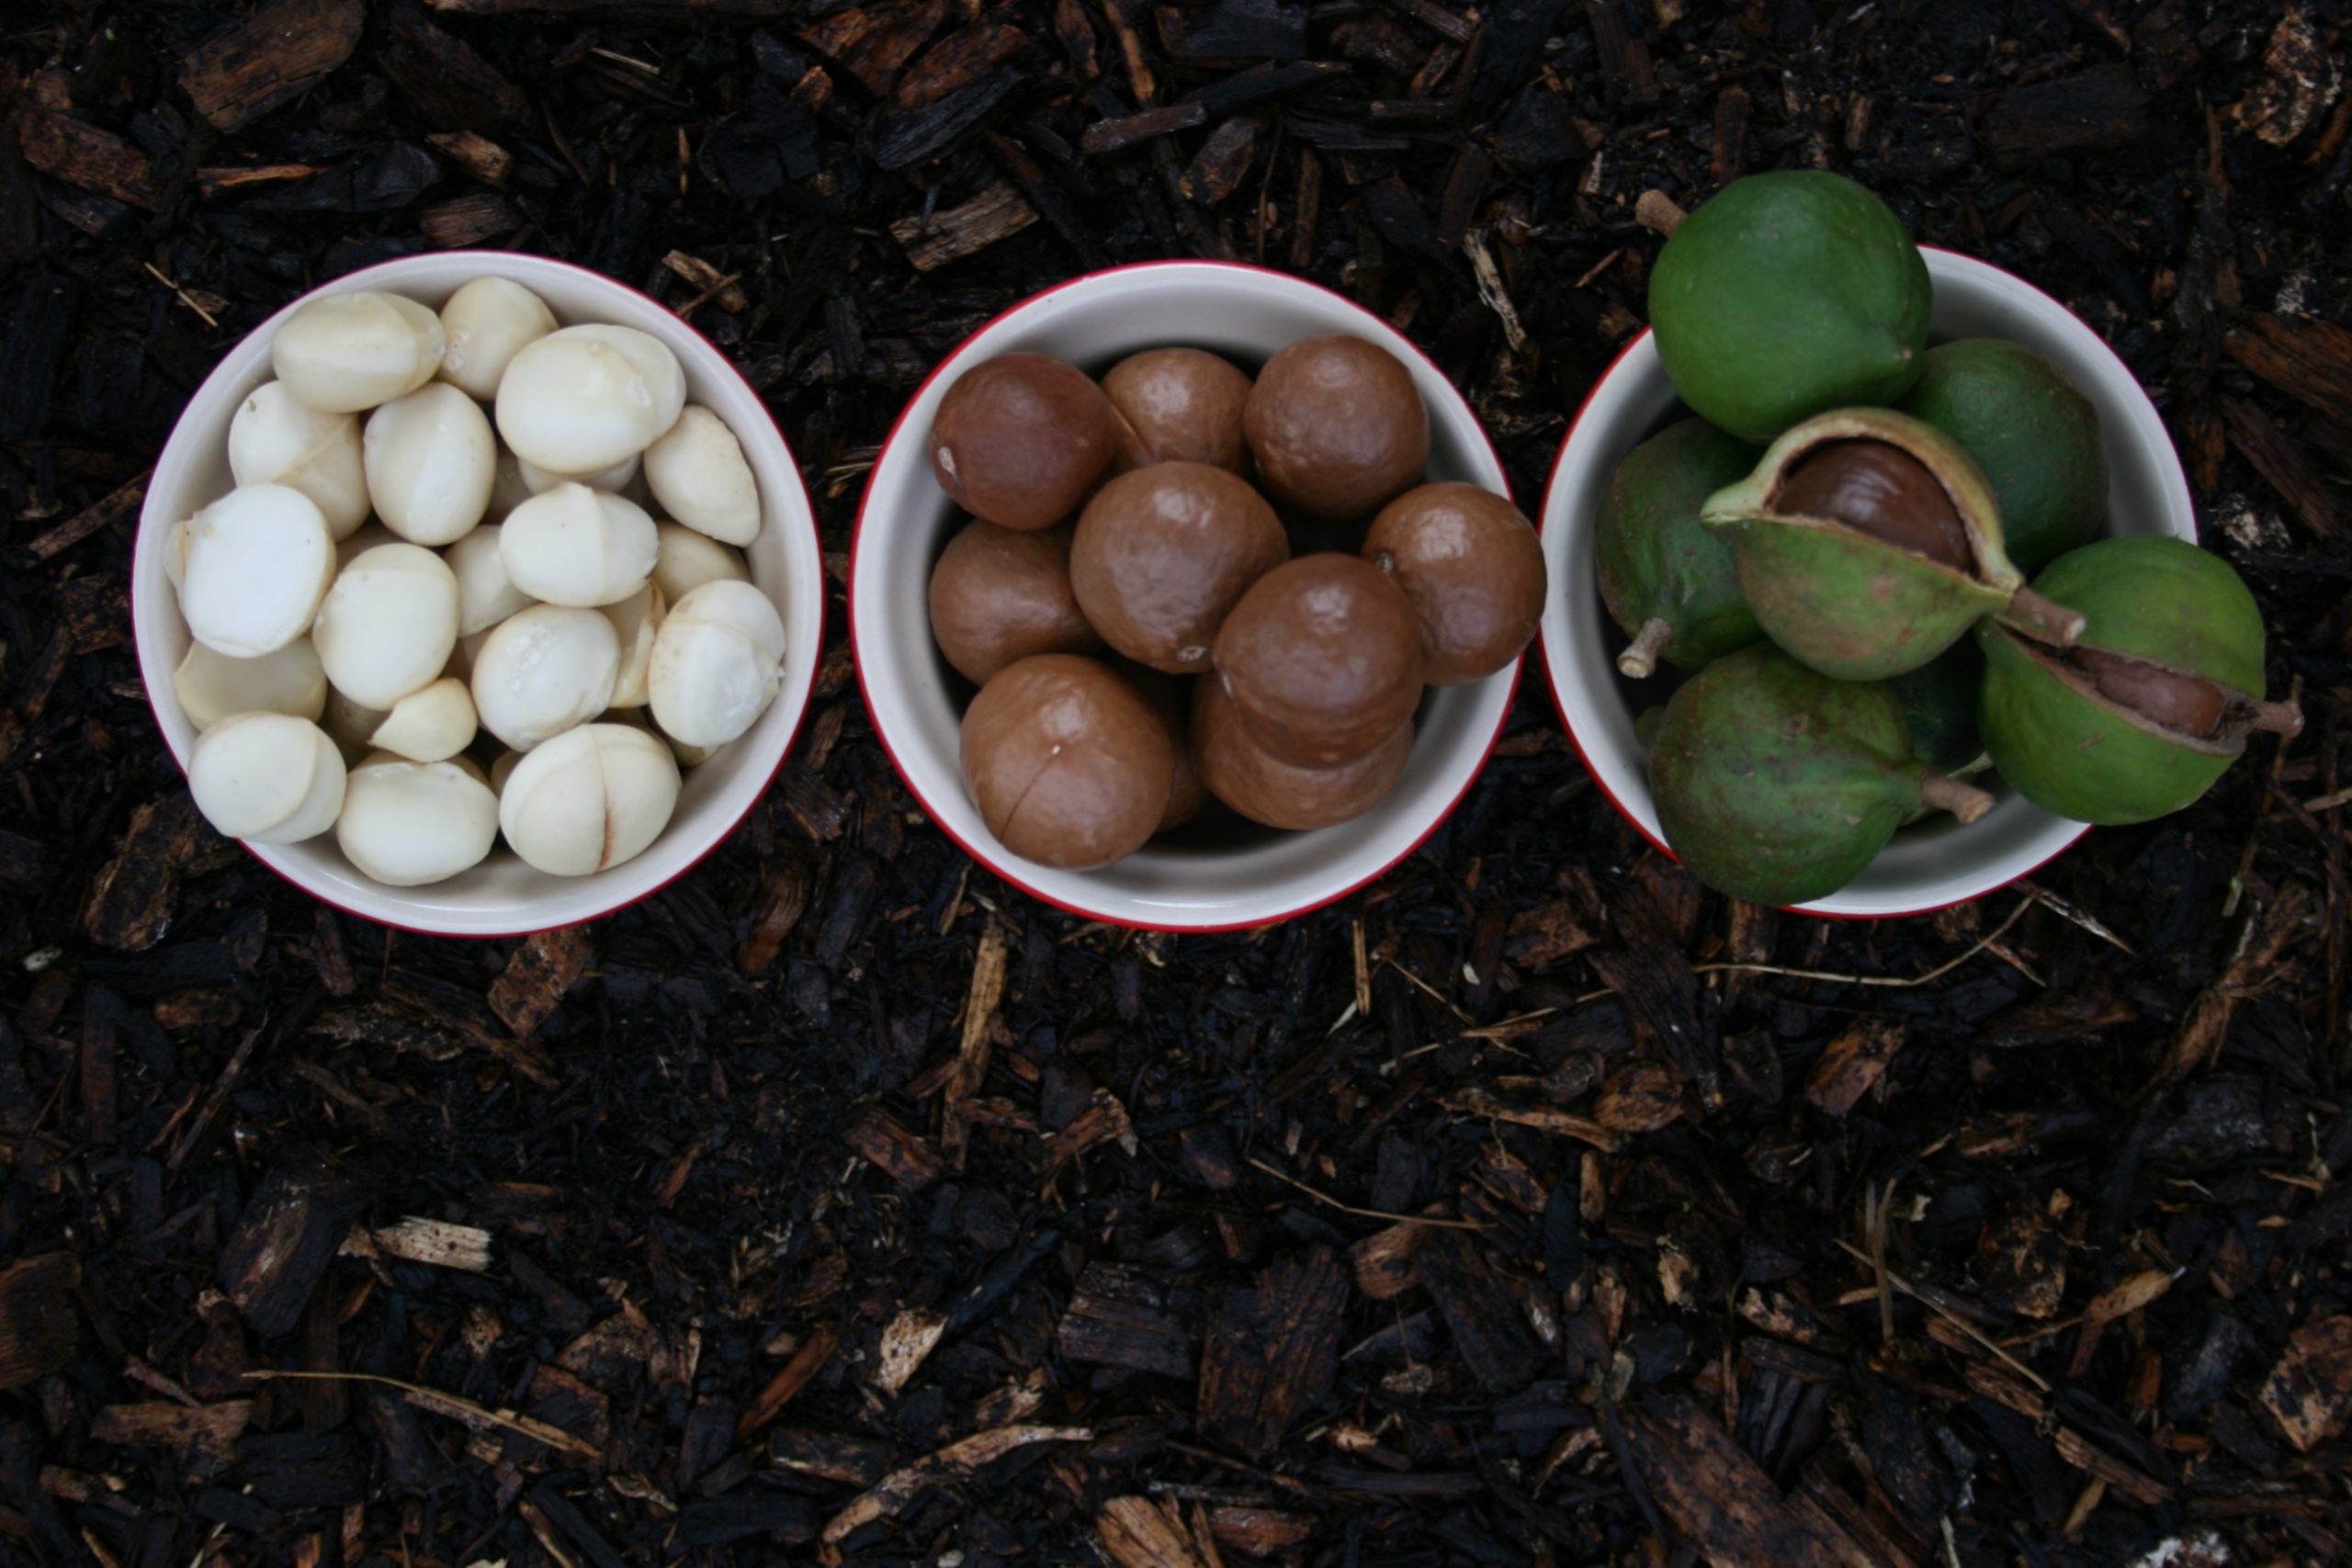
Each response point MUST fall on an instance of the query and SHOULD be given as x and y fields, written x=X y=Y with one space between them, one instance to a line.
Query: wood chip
x=1714 y=1493
x=536 y=976
x=1138 y=1533
x=212 y=1430
x=274 y=56
x=1118 y=1317
x=2309 y=1392
x=289 y=1233
x=896 y=1148
x=40 y=1325
x=805 y=1362
x=1852 y=1064
x=996 y=213
x=417 y=1240
x=2092 y=110
x=900 y=1487
x=906 y=1343
x=477 y=154
x=1271 y=1352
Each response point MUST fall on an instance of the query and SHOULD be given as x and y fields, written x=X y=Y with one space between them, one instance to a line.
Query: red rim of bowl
x=808 y=687
x=1552 y=686
x=857 y=537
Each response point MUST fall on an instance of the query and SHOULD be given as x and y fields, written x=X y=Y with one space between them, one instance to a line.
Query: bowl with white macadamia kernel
x=477 y=595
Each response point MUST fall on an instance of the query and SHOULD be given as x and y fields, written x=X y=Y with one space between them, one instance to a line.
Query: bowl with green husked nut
x=1874 y=573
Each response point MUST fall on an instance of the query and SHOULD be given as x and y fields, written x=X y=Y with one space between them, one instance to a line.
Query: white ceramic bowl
x=502 y=896
x=1941 y=861
x=1245 y=313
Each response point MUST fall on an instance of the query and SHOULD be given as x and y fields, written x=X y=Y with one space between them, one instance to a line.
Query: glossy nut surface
x=1066 y=762
x=1020 y=439
x=1001 y=594
x=1264 y=788
x=1178 y=404
x=1323 y=657
x=1337 y=427
x=1471 y=566
x=1161 y=554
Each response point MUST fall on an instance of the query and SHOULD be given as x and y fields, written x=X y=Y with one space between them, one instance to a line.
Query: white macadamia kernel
x=275 y=438
x=718 y=661
x=431 y=458
x=269 y=777
x=430 y=724
x=255 y=566
x=408 y=823
x=616 y=479
x=388 y=624
x=585 y=398
x=589 y=799
x=486 y=322
x=636 y=620
x=486 y=595
x=579 y=547
x=211 y=686
x=343 y=352
x=544 y=671
x=698 y=474
x=685 y=560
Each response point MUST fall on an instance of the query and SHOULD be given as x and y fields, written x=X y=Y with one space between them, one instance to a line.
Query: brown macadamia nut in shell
x=998 y=595
x=1470 y=564
x=1068 y=763
x=1163 y=553
x=1178 y=405
x=1337 y=427
x=1266 y=789
x=1020 y=439
x=1323 y=658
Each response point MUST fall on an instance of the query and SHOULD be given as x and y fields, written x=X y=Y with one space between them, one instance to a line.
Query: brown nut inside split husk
x=1178 y=405
x=1878 y=488
x=1068 y=763
x=1337 y=427
x=1022 y=439
x=1162 y=554
x=1471 y=566
x=1264 y=788
x=1001 y=594
x=1323 y=657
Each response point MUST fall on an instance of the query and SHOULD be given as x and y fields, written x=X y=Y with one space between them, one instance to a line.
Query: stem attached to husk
x=1639 y=660
x=2277 y=719
x=1656 y=211
x=2044 y=620
x=1963 y=801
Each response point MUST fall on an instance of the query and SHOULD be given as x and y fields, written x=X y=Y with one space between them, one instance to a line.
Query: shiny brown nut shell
x=1178 y=405
x=1170 y=697
x=1264 y=788
x=1020 y=439
x=1068 y=763
x=1162 y=554
x=2174 y=698
x=1883 y=491
x=1323 y=658
x=1471 y=565
x=1337 y=427
x=998 y=595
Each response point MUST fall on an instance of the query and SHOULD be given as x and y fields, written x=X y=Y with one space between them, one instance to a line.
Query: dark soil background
x=842 y=1203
